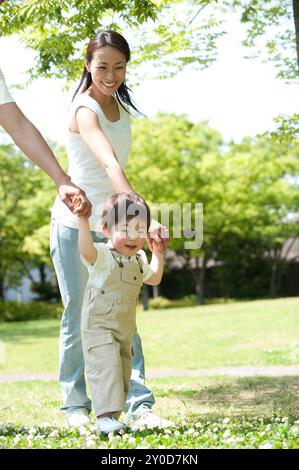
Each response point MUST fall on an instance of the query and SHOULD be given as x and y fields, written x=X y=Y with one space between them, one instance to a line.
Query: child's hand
x=158 y=248
x=78 y=203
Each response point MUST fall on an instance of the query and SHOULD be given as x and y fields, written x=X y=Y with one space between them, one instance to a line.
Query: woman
x=98 y=147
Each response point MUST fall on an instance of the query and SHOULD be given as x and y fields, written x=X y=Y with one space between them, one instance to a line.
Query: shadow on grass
x=22 y=331
x=251 y=396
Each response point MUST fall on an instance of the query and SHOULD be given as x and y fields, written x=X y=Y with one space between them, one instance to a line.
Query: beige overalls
x=107 y=327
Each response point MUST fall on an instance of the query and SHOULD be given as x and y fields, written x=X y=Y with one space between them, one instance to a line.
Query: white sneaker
x=149 y=420
x=78 y=418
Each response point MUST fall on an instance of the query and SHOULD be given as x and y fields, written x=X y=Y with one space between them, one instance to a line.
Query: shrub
x=17 y=311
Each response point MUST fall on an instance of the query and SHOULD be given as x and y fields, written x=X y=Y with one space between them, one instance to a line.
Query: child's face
x=128 y=237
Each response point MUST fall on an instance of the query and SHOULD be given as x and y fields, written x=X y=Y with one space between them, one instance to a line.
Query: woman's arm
x=30 y=141
x=99 y=145
x=85 y=242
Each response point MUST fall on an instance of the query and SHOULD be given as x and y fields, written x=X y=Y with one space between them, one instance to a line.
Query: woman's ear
x=87 y=66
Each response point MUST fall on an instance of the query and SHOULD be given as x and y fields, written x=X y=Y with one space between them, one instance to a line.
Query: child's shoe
x=78 y=418
x=107 y=425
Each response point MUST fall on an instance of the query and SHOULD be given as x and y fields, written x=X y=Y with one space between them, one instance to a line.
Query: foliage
x=254 y=433
x=270 y=32
x=16 y=311
x=19 y=183
x=160 y=33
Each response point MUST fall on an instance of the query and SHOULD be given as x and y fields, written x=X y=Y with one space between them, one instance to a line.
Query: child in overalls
x=117 y=270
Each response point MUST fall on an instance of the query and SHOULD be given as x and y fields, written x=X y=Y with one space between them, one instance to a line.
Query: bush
x=16 y=311
x=162 y=302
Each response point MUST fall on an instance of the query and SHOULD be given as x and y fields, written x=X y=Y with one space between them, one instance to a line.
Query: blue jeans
x=72 y=277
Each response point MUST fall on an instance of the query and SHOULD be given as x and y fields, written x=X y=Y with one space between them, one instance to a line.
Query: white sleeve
x=5 y=96
x=85 y=101
x=147 y=271
x=103 y=261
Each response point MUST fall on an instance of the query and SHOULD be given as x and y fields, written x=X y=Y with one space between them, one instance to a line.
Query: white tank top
x=5 y=96
x=85 y=170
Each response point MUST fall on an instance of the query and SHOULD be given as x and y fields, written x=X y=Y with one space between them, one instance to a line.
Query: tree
x=273 y=31
x=162 y=33
x=19 y=181
x=175 y=161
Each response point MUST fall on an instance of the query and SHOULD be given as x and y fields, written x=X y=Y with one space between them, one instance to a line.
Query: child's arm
x=157 y=265
x=85 y=242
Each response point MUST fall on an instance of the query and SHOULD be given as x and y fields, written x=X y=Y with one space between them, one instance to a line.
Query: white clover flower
x=83 y=431
x=226 y=420
x=90 y=443
x=266 y=445
x=125 y=436
x=226 y=433
x=195 y=434
x=132 y=441
x=183 y=423
x=167 y=431
x=177 y=433
x=54 y=433
x=231 y=440
x=215 y=437
x=16 y=439
x=190 y=431
x=198 y=425
x=262 y=433
x=110 y=436
x=268 y=427
x=215 y=429
x=48 y=446
x=285 y=419
x=32 y=431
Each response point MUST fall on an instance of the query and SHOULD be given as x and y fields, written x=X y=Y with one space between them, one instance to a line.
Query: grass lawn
x=210 y=412
x=264 y=332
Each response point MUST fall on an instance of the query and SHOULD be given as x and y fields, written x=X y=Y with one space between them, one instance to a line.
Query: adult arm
x=30 y=141
x=92 y=134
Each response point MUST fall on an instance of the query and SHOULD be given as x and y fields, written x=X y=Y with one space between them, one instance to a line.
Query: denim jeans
x=72 y=277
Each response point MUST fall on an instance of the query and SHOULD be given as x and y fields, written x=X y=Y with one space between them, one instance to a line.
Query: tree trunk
x=42 y=272
x=155 y=291
x=1 y=289
x=273 y=280
x=200 y=280
x=145 y=296
x=296 y=20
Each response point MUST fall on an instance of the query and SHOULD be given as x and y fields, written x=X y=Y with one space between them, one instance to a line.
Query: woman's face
x=108 y=69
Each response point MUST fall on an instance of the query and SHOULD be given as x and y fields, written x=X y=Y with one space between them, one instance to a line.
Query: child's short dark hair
x=125 y=206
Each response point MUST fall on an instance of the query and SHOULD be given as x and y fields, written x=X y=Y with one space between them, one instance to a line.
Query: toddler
x=117 y=269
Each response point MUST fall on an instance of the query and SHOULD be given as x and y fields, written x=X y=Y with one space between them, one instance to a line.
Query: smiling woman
x=98 y=147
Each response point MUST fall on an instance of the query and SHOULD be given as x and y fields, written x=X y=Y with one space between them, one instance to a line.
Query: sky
x=239 y=97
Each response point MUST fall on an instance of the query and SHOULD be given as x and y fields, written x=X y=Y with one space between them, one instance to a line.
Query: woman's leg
x=72 y=278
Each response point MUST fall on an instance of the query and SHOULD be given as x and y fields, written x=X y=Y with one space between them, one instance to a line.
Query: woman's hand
x=74 y=198
x=158 y=233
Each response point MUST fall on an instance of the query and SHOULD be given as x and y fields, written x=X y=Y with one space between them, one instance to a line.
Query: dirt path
x=241 y=371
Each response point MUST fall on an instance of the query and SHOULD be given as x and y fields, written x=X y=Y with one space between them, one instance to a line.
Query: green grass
x=213 y=412
x=264 y=332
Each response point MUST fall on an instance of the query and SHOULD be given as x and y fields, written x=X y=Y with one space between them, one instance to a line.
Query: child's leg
x=140 y=398
x=103 y=370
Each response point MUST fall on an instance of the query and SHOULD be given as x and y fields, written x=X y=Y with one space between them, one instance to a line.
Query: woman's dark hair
x=124 y=206
x=113 y=39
